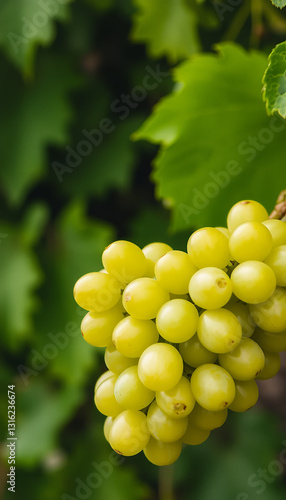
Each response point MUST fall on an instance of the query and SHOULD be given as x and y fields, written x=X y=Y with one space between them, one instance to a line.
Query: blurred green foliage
x=78 y=78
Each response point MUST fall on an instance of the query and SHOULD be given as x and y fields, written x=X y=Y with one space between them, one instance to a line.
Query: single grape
x=250 y=241
x=143 y=298
x=97 y=292
x=270 y=315
x=177 y=402
x=104 y=398
x=277 y=229
x=153 y=252
x=107 y=426
x=125 y=261
x=161 y=426
x=245 y=362
x=208 y=247
x=213 y=387
x=207 y=420
x=272 y=342
x=174 y=271
x=195 y=435
x=277 y=261
x=97 y=327
x=102 y=377
x=219 y=330
x=243 y=315
x=253 y=282
x=195 y=354
x=246 y=395
x=225 y=231
x=131 y=336
x=129 y=391
x=245 y=211
x=159 y=453
x=129 y=433
x=177 y=320
x=271 y=367
x=115 y=361
x=210 y=288
x=160 y=367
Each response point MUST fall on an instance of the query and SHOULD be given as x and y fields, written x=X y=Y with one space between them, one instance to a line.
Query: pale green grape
x=270 y=315
x=177 y=402
x=246 y=395
x=115 y=361
x=125 y=261
x=129 y=433
x=102 y=377
x=245 y=362
x=107 y=426
x=245 y=211
x=160 y=367
x=153 y=252
x=143 y=298
x=250 y=241
x=195 y=435
x=161 y=426
x=219 y=330
x=277 y=229
x=129 y=391
x=174 y=271
x=195 y=354
x=97 y=292
x=159 y=453
x=243 y=315
x=97 y=327
x=213 y=387
x=208 y=247
x=210 y=288
x=225 y=231
x=271 y=367
x=177 y=320
x=131 y=336
x=277 y=261
x=104 y=398
x=207 y=420
x=253 y=282
x=272 y=342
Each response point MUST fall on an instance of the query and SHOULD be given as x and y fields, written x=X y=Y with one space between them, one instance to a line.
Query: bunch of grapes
x=186 y=333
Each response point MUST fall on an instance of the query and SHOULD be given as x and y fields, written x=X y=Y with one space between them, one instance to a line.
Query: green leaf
x=25 y=24
x=274 y=81
x=168 y=27
x=216 y=140
x=37 y=115
x=279 y=3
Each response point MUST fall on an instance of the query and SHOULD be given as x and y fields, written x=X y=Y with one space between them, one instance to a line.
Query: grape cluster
x=186 y=333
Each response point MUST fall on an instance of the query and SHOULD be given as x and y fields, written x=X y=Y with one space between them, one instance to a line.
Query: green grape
x=243 y=315
x=160 y=367
x=195 y=354
x=159 y=453
x=270 y=315
x=277 y=261
x=104 y=398
x=107 y=426
x=208 y=247
x=97 y=328
x=253 y=282
x=245 y=211
x=277 y=229
x=115 y=361
x=102 y=377
x=174 y=271
x=161 y=426
x=250 y=241
x=207 y=420
x=143 y=298
x=132 y=336
x=97 y=292
x=245 y=362
x=177 y=402
x=219 y=330
x=246 y=395
x=195 y=435
x=271 y=367
x=153 y=252
x=129 y=391
x=177 y=320
x=125 y=261
x=129 y=433
x=224 y=231
x=272 y=342
x=213 y=387
x=210 y=288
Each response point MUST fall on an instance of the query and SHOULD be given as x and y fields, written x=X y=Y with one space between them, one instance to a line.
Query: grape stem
x=166 y=483
x=279 y=211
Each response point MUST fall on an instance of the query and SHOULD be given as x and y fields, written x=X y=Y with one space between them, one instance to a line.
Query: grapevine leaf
x=279 y=3
x=168 y=27
x=274 y=80
x=216 y=140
